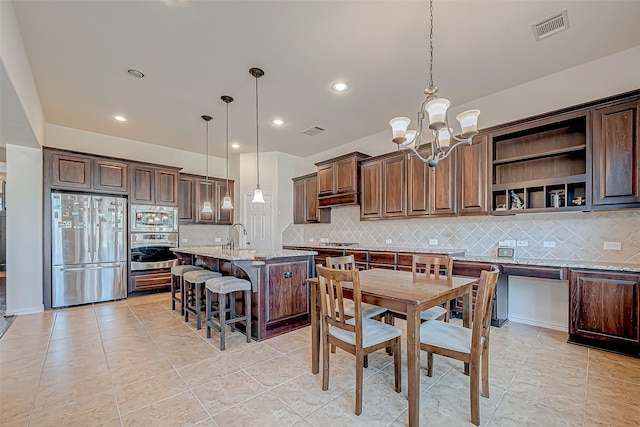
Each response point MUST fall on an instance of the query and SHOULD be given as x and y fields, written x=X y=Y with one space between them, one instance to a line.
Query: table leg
x=413 y=365
x=466 y=317
x=315 y=330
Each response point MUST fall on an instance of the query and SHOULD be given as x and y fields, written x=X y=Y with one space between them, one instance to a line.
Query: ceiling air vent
x=313 y=131
x=551 y=25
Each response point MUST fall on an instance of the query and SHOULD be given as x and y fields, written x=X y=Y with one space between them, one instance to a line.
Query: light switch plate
x=184 y=240
x=433 y=241
x=548 y=244
x=311 y=239
x=324 y=239
x=217 y=240
x=510 y=243
x=388 y=241
x=521 y=243
x=613 y=246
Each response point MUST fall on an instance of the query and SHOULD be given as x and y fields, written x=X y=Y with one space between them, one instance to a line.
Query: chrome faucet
x=230 y=241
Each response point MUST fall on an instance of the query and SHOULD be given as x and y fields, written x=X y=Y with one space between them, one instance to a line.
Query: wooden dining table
x=400 y=292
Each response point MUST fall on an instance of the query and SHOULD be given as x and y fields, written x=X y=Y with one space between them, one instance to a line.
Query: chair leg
x=396 y=365
x=325 y=361
x=365 y=361
x=222 y=313
x=389 y=319
x=173 y=292
x=485 y=372
x=359 y=376
x=474 y=388
x=429 y=364
x=447 y=306
x=208 y=313
x=232 y=311
x=185 y=300
x=198 y=305
x=247 y=313
x=181 y=279
x=333 y=348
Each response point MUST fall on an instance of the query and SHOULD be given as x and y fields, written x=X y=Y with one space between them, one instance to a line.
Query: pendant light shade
x=257 y=194
x=206 y=208
x=226 y=202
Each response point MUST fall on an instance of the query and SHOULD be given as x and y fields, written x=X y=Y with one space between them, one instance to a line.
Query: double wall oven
x=154 y=230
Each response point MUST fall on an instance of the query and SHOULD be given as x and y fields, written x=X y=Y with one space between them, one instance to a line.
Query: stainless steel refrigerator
x=88 y=248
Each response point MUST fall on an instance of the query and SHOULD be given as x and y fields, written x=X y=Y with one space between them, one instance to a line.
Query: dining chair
x=369 y=311
x=358 y=335
x=467 y=345
x=439 y=266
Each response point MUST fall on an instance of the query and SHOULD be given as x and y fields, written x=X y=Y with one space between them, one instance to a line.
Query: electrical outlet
x=613 y=246
x=433 y=241
x=311 y=239
x=521 y=243
x=324 y=240
x=217 y=240
x=184 y=240
x=388 y=241
x=510 y=243
x=549 y=244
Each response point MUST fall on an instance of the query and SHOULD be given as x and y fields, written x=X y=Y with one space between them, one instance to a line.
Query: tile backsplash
x=577 y=236
x=203 y=235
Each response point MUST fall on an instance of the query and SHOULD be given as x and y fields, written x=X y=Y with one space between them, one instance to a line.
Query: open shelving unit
x=544 y=164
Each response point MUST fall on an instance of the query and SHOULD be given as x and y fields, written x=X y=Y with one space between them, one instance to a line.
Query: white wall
x=95 y=143
x=539 y=302
x=24 y=105
x=276 y=171
x=24 y=230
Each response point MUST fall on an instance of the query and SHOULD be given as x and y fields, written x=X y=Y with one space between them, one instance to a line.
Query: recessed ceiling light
x=235 y=145
x=120 y=118
x=277 y=122
x=340 y=87
x=135 y=73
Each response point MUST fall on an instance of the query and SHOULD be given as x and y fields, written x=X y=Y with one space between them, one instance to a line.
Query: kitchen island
x=281 y=301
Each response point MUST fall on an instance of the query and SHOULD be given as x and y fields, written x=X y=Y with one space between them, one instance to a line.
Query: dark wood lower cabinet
x=604 y=310
x=159 y=279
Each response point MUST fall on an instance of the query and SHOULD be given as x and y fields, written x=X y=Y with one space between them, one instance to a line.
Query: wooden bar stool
x=177 y=284
x=193 y=285
x=223 y=286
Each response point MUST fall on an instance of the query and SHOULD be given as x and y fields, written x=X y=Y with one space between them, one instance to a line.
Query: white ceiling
x=192 y=52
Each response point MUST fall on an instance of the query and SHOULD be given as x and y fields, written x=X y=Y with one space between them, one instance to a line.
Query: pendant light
x=226 y=203
x=257 y=194
x=207 y=204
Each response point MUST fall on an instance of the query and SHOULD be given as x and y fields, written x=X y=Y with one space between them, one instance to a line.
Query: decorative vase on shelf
x=516 y=202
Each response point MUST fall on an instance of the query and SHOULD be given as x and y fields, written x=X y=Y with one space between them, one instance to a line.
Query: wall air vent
x=551 y=25
x=313 y=131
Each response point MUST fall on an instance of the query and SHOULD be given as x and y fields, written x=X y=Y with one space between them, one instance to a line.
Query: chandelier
x=438 y=128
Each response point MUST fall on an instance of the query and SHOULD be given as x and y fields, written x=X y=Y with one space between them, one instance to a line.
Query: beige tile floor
x=136 y=363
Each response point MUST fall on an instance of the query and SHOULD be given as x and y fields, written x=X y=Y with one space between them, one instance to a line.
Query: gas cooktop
x=337 y=244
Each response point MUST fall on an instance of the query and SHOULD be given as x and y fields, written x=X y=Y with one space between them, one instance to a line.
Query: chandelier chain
x=257 y=147
x=431 y=44
x=227 y=146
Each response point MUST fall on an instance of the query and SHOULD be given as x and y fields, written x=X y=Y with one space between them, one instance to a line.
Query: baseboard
x=27 y=310
x=558 y=326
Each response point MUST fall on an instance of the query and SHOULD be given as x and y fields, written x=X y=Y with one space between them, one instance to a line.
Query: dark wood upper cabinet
x=604 y=308
x=299 y=201
x=166 y=187
x=544 y=163
x=224 y=216
x=394 y=186
x=417 y=187
x=111 y=176
x=371 y=189
x=339 y=180
x=142 y=185
x=472 y=177
x=616 y=155
x=305 y=201
x=443 y=187
x=186 y=199
x=70 y=171
x=325 y=180
x=205 y=192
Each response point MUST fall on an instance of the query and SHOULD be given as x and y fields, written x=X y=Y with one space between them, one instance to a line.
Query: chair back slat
x=331 y=282
x=482 y=311
x=437 y=265
x=341 y=262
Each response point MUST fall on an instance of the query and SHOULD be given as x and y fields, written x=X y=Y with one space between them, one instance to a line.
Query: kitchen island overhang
x=281 y=301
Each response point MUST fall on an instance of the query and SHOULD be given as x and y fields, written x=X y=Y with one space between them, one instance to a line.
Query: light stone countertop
x=240 y=254
x=460 y=255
